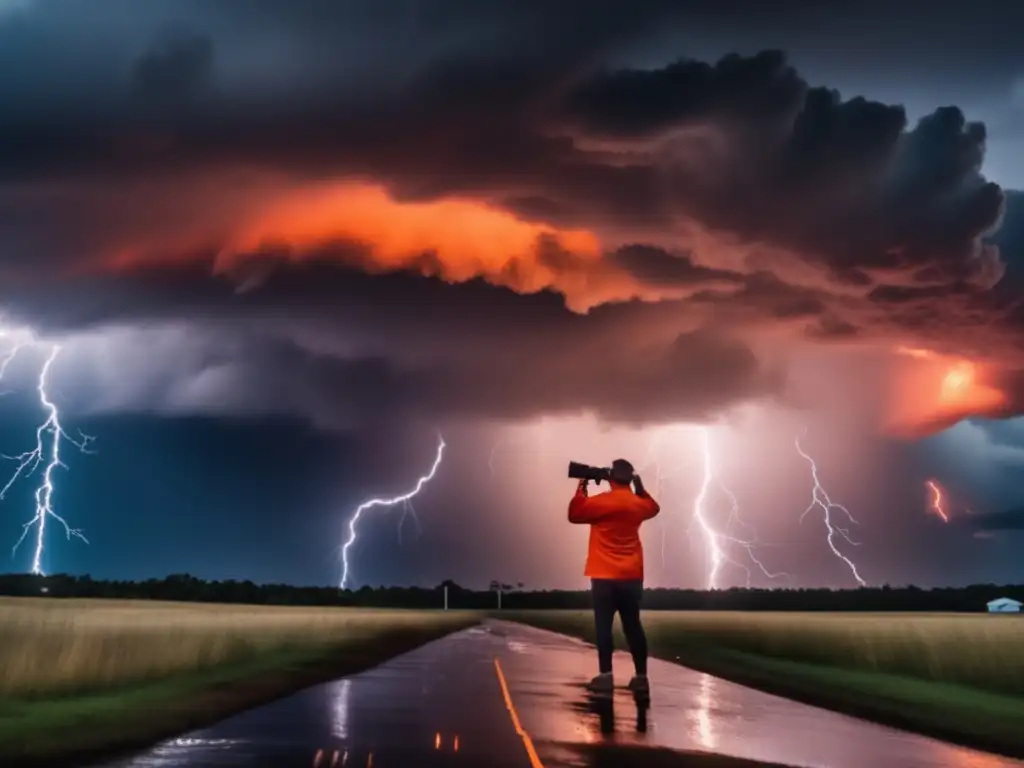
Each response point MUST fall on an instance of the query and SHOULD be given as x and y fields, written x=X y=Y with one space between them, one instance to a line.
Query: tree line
x=187 y=588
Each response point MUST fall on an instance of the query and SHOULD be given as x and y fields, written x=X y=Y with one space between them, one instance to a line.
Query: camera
x=579 y=471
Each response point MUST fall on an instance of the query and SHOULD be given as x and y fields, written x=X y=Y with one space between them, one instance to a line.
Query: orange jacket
x=614 y=517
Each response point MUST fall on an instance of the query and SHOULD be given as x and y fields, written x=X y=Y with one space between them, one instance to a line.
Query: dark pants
x=613 y=596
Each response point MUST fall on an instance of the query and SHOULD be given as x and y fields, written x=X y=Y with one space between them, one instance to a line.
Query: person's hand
x=638 y=485
x=582 y=487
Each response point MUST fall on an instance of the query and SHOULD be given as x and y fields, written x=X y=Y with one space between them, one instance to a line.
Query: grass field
x=955 y=676
x=115 y=674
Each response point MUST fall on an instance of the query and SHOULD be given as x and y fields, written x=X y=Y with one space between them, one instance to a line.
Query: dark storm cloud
x=1010 y=241
x=1008 y=520
x=841 y=181
x=656 y=265
x=640 y=103
x=515 y=104
x=178 y=65
x=346 y=349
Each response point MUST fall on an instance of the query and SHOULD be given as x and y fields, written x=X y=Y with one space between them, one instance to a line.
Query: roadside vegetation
x=112 y=675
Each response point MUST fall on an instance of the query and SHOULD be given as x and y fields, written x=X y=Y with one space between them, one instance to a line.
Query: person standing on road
x=615 y=567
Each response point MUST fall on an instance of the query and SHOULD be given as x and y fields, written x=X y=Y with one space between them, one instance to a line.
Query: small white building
x=1004 y=605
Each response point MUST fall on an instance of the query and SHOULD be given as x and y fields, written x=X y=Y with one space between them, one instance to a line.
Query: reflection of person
x=615 y=566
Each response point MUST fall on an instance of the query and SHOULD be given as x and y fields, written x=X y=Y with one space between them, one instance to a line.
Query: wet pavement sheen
x=504 y=695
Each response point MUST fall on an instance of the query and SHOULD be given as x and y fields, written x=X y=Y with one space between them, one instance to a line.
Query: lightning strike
x=46 y=454
x=8 y=357
x=937 y=502
x=821 y=500
x=711 y=537
x=749 y=544
x=408 y=510
x=405 y=498
x=492 y=457
x=717 y=543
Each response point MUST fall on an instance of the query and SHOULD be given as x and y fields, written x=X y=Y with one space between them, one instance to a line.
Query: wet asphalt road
x=504 y=695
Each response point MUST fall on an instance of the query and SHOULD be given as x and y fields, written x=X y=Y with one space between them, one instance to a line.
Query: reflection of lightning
x=717 y=543
x=937 y=502
x=820 y=499
x=403 y=499
x=47 y=450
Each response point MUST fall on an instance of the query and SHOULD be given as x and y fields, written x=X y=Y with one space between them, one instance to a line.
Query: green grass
x=953 y=677
x=110 y=676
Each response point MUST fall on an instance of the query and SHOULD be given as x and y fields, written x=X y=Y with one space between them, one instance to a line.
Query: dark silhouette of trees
x=184 y=587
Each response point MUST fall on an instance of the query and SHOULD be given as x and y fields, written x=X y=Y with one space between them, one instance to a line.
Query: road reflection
x=695 y=712
x=596 y=715
x=705 y=725
x=340 y=709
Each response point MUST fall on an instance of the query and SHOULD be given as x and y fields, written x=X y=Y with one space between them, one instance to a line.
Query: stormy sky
x=284 y=246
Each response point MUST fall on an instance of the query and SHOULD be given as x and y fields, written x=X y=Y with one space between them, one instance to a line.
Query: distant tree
x=184 y=587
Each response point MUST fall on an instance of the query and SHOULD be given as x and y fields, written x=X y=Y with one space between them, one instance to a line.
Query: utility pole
x=446 y=597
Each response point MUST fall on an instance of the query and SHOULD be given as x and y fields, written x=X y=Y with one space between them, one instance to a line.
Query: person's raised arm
x=582 y=508
x=650 y=507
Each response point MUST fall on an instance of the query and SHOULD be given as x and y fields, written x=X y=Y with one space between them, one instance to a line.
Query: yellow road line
x=527 y=741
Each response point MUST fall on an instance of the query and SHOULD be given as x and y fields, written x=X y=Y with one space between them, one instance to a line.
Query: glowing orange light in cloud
x=957 y=381
x=937 y=500
x=935 y=391
x=456 y=240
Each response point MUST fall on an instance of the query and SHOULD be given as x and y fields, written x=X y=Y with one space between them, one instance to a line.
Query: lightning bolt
x=717 y=543
x=711 y=537
x=403 y=499
x=821 y=500
x=937 y=501
x=747 y=544
x=408 y=510
x=8 y=358
x=49 y=435
x=492 y=457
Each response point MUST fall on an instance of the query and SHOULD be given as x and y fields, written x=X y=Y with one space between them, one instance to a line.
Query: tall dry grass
x=979 y=650
x=63 y=646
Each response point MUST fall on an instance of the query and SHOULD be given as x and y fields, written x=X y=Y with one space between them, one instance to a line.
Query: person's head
x=621 y=472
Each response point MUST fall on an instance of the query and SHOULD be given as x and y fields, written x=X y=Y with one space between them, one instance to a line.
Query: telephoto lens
x=578 y=471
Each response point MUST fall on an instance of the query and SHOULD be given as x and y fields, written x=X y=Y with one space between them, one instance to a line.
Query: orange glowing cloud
x=935 y=391
x=456 y=240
